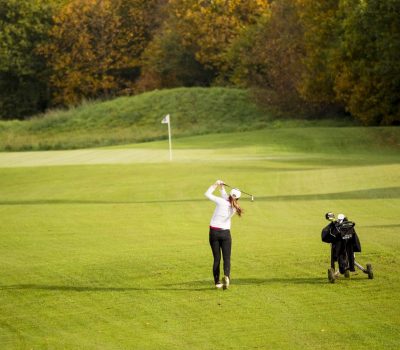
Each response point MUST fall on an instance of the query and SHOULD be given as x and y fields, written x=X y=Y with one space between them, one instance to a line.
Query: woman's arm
x=211 y=189
x=224 y=195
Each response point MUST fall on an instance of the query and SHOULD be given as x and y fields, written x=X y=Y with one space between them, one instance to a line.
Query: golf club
x=252 y=197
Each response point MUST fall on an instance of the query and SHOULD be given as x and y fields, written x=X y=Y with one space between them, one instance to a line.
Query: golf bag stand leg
x=360 y=267
x=367 y=270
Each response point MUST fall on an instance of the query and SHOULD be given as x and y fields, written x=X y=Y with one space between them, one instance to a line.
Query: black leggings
x=220 y=240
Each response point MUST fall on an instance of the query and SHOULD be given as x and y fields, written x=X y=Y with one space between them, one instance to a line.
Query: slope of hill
x=135 y=119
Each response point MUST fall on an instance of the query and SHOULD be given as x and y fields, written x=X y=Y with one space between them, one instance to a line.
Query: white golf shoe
x=218 y=285
x=225 y=282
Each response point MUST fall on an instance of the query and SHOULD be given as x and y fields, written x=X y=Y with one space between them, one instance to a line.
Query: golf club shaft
x=240 y=190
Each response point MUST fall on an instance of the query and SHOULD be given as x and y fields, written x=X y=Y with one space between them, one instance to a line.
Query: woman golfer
x=220 y=234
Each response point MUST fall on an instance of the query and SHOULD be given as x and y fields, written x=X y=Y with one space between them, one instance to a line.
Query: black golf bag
x=344 y=243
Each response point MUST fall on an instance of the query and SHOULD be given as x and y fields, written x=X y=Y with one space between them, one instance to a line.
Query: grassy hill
x=138 y=118
x=135 y=119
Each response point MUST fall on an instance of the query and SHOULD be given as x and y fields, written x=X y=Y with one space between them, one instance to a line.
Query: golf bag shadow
x=344 y=242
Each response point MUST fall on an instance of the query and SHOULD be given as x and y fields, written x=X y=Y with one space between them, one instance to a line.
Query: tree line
x=306 y=57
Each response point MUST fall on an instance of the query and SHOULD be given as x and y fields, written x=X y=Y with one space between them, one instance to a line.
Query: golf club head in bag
x=330 y=216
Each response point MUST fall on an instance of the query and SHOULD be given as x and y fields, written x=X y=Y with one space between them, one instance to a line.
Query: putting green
x=108 y=248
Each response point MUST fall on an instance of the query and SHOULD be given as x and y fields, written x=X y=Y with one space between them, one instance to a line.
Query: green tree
x=368 y=60
x=321 y=23
x=23 y=78
x=168 y=63
x=268 y=56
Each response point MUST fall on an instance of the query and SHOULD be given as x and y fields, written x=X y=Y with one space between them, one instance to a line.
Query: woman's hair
x=234 y=203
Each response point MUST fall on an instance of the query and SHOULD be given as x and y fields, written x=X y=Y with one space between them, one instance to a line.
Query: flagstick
x=169 y=138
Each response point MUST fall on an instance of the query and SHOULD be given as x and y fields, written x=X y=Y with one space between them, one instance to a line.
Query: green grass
x=116 y=256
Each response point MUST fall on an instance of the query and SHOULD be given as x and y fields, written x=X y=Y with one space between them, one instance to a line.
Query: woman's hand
x=219 y=183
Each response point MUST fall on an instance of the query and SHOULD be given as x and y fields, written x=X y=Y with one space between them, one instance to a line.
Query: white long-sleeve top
x=223 y=210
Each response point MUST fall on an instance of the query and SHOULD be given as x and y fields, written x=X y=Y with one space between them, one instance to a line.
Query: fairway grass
x=108 y=248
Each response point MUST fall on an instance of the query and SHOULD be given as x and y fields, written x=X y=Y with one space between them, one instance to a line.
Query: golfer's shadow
x=205 y=284
x=199 y=285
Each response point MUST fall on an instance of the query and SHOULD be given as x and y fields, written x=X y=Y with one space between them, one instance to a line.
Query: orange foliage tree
x=96 y=45
x=196 y=37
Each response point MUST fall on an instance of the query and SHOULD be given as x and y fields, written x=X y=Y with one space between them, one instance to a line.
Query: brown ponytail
x=234 y=204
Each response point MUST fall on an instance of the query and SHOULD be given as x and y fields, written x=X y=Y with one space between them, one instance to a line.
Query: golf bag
x=344 y=243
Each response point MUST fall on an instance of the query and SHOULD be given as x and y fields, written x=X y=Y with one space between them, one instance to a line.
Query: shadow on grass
x=262 y=281
x=282 y=280
x=383 y=226
x=200 y=285
x=374 y=193
x=100 y=289
x=90 y=202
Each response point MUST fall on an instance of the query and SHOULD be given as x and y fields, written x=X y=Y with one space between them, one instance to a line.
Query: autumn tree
x=96 y=46
x=196 y=37
x=214 y=25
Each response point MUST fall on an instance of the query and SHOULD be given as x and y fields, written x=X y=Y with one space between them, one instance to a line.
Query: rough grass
x=116 y=256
